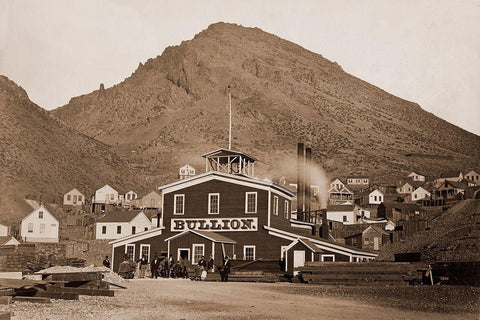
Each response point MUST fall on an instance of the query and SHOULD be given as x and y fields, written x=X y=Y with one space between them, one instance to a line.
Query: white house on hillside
x=153 y=200
x=420 y=194
x=347 y=214
x=405 y=188
x=118 y=224
x=107 y=195
x=186 y=172
x=3 y=230
x=473 y=177
x=39 y=226
x=416 y=176
x=73 y=198
x=376 y=197
x=129 y=198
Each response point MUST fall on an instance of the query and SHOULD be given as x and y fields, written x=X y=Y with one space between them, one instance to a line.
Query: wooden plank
x=57 y=295
x=84 y=291
x=81 y=276
x=31 y=299
x=5 y=300
x=5 y=315
x=7 y=292
x=115 y=284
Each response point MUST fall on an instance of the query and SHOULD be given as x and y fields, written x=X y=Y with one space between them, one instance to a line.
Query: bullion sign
x=227 y=224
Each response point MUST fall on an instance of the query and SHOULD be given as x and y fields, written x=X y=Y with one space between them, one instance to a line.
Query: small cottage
x=375 y=197
x=415 y=176
x=118 y=224
x=73 y=198
x=186 y=172
x=39 y=226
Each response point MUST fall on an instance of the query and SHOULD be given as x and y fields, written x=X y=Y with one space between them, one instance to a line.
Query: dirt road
x=184 y=299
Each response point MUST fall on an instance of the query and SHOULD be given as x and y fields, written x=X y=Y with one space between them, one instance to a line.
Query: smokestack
x=300 y=180
x=325 y=227
x=308 y=178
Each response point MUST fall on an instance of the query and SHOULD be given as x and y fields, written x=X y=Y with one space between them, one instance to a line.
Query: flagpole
x=229 y=120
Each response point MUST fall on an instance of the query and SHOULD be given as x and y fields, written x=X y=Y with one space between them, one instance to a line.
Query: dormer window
x=40 y=215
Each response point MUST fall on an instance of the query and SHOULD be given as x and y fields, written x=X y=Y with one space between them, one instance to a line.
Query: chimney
x=308 y=178
x=158 y=219
x=300 y=181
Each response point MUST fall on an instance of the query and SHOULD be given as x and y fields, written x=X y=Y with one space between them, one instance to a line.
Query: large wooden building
x=225 y=211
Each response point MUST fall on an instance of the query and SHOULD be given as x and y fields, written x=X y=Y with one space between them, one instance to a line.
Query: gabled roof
x=121 y=216
x=310 y=245
x=106 y=186
x=42 y=206
x=226 y=152
x=211 y=236
x=458 y=185
x=227 y=177
x=377 y=229
x=74 y=189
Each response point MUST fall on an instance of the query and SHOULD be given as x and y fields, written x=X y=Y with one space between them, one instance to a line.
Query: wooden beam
x=31 y=299
x=84 y=291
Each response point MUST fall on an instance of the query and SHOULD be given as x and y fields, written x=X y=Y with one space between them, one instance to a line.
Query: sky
x=425 y=51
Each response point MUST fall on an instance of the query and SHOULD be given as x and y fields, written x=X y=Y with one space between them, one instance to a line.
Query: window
x=80 y=198
x=275 y=205
x=344 y=218
x=112 y=197
x=250 y=202
x=134 y=229
x=75 y=199
x=69 y=197
x=119 y=229
x=249 y=253
x=40 y=215
x=415 y=195
x=179 y=204
x=374 y=198
x=327 y=258
x=30 y=228
x=146 y=229
x=380 y=198
x=130 y=251
x=286 y=209
x=145 y=250
x=366 y=240
x=213 y=203
x=198 y=251
x=354 y=242
x=104 y=229
x=42 y=227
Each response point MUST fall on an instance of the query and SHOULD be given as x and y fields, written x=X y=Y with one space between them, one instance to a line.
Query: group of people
x=164 y=267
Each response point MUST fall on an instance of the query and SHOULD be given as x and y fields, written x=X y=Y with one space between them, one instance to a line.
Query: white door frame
x=178 y=253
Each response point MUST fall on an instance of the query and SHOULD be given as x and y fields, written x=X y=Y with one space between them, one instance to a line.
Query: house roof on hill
x=340 y=207
x=119 y=216
x=377 y=229
x=459 y=185
x=450 y=174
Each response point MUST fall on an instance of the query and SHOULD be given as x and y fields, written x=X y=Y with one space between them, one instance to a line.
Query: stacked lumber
x=55 y=285
x=251 y=276
x=360 y=273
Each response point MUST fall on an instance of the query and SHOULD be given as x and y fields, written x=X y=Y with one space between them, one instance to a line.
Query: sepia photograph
x=219 y=159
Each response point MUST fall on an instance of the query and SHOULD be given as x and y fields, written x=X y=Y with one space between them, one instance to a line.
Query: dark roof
x=450 y=174
x=119 y=216
x=340 y=207
x=310 y=245
x=377 y=229
x=458 y=185
x=226 y=152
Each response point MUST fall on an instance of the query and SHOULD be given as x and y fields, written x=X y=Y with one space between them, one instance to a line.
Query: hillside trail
x=184 y=299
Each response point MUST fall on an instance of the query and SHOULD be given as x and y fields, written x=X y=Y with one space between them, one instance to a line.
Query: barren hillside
x=42 y=158
x=174 y=107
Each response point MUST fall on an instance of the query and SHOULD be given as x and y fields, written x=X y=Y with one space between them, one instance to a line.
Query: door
x=183 y=253
x=376 y=243
x=298 y=260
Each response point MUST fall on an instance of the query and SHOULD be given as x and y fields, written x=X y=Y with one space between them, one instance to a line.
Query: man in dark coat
x=225 y=270
x=202 y=263
x=211 y=264
x=106 y=262
x=154 y=265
